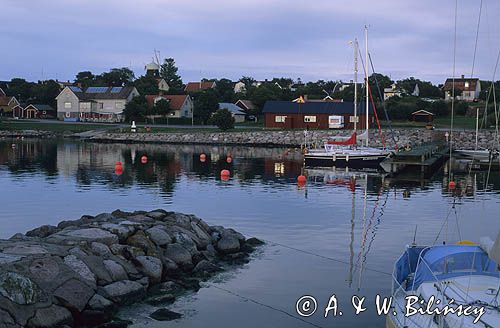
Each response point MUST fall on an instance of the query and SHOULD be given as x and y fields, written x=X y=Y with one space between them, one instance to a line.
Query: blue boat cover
x=448 y=261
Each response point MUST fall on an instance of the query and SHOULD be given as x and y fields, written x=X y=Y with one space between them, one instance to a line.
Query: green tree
x=136 y=109
x=168 y=71
x=146 y=85
x=205 y=104
x=45 y=92
x=223 y=119
x=85 y=79
x=117 y=77
x=225 y=90
x=21 y=89
x=161 y=107
x=383 y=82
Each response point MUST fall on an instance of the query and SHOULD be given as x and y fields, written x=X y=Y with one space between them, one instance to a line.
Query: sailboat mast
x=366 y=84
x=477 y=126
x=355 y=84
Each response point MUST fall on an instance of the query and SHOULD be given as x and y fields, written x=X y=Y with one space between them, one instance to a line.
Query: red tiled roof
x=199 y=86
x=175 y=101
x=460 y=84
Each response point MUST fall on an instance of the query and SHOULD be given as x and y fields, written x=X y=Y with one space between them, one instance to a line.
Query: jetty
x=79 y=272
x=424 y=158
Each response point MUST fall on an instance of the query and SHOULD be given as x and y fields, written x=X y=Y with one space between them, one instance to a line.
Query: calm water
x=323 y=239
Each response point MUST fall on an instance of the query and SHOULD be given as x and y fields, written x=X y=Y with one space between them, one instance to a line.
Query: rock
x=163 y=299
x=116 y=271
x=53 y=316
x=122 y=231
x=185 y=241
x=205 y=266
x=140 y=240
x=104 y=217
x=87 y=234
x=203 y=236
x=96 y=265
x=152 y=267
x=42 y=232
x=25 y=249
x=19 y=289
x=100 y=249
x=74 y=294
x=157 y=215
x=120 y=214
x=45 y=269
x=80 y=267
x=144 y=281
x=97 y=302
x=254 y=242
x=125 y=291
x=9 y=258
x=159 y=236
x=165 y=315
x=233 y=233
x=170 y=287
x=228 y=244
x=179 y=255
x=6 y=321
x=116 y=324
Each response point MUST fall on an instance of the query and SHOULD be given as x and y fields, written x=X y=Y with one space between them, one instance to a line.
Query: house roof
x=102 y=92
x=2 y=93
x=175 y=101
x=245 y=104
x=235 y=110
x=460 y=84
x=5 y=100
x=199 y=86
x=328 y=107
x=41 y=107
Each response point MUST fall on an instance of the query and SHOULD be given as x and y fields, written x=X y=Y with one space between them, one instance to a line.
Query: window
x=310 y=119
x=280 y=119
x=353 y=119
x=67 y=105
x=85 y=105
x=466 y=85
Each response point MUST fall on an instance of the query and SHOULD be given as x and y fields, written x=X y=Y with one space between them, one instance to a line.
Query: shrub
x=223 y=119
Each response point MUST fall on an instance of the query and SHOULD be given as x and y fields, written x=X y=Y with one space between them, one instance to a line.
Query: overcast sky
x=259 y=38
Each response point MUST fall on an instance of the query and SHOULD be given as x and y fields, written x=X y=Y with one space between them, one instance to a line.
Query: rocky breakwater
x=27 y=134
x=80 y=272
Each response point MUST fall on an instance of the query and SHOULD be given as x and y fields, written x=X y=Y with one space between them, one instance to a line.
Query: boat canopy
x=448 y=261
x=407 y=263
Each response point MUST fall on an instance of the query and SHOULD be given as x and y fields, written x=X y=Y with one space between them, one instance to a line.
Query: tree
x=161 y=107
x=223 y=119
x=136 y=109
x=225 y=90
x=45 y=92
x=146 y=85
x=117 y=77
x=168 y=72
x=205 y=103
x=85 y=79
x=21 y=89
x=383 y=82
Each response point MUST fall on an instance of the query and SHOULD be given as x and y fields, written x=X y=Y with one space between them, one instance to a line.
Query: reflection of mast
x=364 y=230
x=351 y=248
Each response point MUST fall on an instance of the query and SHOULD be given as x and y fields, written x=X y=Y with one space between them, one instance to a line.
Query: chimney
x=463 y=76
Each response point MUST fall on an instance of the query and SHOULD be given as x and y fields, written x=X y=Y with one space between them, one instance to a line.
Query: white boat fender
x=347 y=158
x=334 y=157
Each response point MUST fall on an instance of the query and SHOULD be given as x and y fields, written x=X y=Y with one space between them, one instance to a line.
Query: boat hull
x=353 y=161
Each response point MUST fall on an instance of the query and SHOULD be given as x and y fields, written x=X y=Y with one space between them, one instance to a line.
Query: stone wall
x=462 y=139
x=78 y=273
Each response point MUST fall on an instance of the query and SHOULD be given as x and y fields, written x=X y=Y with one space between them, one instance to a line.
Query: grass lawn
x=460 y=122
x=12 y=125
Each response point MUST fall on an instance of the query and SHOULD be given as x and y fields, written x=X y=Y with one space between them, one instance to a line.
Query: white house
x=94 y=104
x=465 y=89
x=239 y=87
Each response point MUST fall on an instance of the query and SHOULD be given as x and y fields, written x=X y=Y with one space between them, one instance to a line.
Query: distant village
x=160 y=96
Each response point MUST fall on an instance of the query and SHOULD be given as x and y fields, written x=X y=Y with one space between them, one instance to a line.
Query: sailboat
x=464 y=274
x=477 y=153
x=344 y=152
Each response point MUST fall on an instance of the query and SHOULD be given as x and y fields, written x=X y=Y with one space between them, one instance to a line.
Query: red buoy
x=229 y=159
x=203 y=157
x=225 y=175
x=452 y=185
x=301 y=179
x=144 y=159
x=118 y=163
x=118 y=168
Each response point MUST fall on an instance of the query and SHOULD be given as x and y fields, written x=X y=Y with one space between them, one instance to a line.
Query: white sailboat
x=479 y=154
x=344 y=152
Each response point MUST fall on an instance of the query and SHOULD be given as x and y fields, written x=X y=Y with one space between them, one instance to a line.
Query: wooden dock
x=424 y=158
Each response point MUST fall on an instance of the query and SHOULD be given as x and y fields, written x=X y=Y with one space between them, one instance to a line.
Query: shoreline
x=80 y=272
x=264 y=138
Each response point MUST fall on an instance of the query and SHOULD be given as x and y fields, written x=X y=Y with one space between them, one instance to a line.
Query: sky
x=55 y=39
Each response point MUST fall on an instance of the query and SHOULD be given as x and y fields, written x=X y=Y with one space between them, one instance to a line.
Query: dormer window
x=466 y=84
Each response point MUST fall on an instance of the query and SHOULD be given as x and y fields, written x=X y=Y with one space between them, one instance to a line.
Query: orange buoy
x=144 y=159
x=225 y=175
x=203 y=157
x=118 y=170
x=301 y=179
x=118 y=163
x=229 y=159
x=452 y=185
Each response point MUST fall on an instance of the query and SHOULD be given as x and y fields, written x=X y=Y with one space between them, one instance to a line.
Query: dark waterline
x=316 y=245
